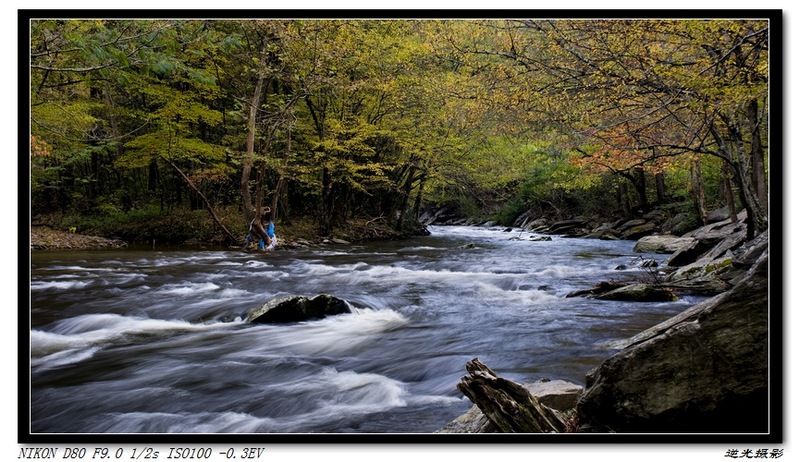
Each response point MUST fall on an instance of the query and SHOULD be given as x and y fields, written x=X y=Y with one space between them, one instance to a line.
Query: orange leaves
x=40 y=147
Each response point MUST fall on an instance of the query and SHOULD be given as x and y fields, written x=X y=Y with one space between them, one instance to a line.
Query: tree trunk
x=247 y=161
x=623 y=200
x=758 y=169
x=404 y=198
x=115 y=131
x=661 y=189
x=276 y=194
x=418 y=200
x=641 y=188
x=177 y=183
x=260 y=180
x=94 y=178
x=509 y=405
x=698 y=191
x=282 y=179
x=326 y=203
x=326 y=199
x=757 y=219
x=152 y=175
x=726 y=184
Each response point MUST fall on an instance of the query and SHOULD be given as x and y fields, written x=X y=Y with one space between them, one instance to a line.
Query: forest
x=179 y=129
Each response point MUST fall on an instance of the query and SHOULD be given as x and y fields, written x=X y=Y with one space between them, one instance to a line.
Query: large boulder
x=680 y=223
x=719 y=230
x=630 y=224
x=657 y=215
x=557 y=394
x=702 y=268
x=747 y=254
x=720 y=268
x=565 y=226
x=720 y=214
x=688 y=252
x=705 y=370
x=728 y=244
x=296 y=308
x=440 y=216
x=639 y=231
x=711 y=242
x=605 y=231
x=661 y=244
x=536 y=225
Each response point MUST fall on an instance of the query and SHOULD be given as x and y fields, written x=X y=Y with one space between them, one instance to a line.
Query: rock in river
x=297 y=308
x=640 y=293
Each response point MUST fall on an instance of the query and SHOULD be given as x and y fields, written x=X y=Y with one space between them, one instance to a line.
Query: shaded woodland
x=181 y=128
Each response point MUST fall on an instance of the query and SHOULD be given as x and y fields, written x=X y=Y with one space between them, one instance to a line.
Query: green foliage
x=468 y=205
x=360 y=116
x=509 y=212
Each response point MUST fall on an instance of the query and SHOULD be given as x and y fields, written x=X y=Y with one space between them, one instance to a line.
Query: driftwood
x=508 y=405
x=210 y=209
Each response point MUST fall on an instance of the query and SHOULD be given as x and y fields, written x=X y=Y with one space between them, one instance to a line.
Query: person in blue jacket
x=271 y=240
x=263 y=229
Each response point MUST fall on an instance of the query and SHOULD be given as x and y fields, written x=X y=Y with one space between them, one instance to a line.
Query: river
x=152 y=340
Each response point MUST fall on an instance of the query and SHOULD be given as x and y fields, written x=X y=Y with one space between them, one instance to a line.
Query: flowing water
x=153 y=340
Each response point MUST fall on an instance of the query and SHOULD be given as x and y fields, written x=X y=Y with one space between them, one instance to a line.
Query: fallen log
x=508 y=405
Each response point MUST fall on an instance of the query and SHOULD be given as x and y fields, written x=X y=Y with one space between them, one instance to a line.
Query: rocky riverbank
x=46 y=238
x=704 y=259
x=705 y=370
x=667 y=220
x=297 y=235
